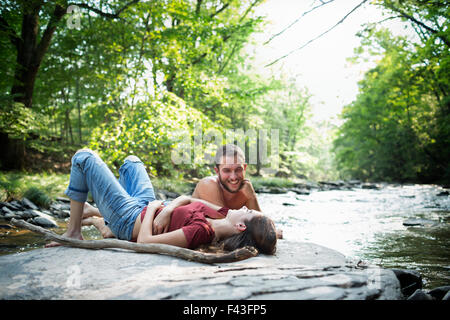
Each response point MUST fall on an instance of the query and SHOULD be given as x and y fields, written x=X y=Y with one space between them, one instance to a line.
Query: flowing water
x=360 y=223
x=368 y=224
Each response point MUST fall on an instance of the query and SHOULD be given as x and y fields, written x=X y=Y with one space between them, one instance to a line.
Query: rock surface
x=439 y=292
x=410 y=280
x=298 y=271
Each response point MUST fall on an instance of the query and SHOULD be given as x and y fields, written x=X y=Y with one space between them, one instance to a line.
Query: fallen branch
x=187 y=254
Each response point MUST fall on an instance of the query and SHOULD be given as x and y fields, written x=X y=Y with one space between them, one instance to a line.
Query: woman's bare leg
x=99 y=223
x=90 y=211
x=74 y=226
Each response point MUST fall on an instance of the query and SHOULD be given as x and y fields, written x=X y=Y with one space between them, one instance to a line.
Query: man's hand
x=162 y=222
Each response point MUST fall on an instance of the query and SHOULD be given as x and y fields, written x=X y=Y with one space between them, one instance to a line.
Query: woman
x=131 y=212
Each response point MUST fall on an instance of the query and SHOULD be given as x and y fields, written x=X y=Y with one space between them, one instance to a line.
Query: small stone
x=10 y=206
x=418 y=222
x=62 y=199
x=420 y=295
x=64 y=214
x=28 y=204
x=277 y=190
x=34 y=213
x=287 y=204
x=369 y=186
x=44 y=222
x=443 y=193
x=11 y=215
x=300 y=191
x=447 y=296
x=17 y=205
x=6 y=210
x=59 y=206
x=27 y=214
x=42 y=219
x=439 y=292
x=410 y=280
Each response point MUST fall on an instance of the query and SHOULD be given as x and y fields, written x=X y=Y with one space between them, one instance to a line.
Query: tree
x=394 y=129
x=30 y=26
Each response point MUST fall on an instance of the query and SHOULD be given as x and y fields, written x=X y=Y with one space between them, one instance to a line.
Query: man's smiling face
x=231 y=173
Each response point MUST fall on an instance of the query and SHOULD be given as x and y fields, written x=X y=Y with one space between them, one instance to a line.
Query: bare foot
x=90 y=211
x=99 y=223
x=57 y=244
x=279 y=234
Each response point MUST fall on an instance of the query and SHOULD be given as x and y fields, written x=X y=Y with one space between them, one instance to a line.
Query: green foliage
x=41 y=187
x=17 y=121
x=38 y=197
x=153 y=132
x=9 y=186
x=259 y=182
x=397 y=128
x=129 y=85
x=173 y=185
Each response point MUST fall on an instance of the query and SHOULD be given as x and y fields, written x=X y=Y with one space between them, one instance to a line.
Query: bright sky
x=321 y=66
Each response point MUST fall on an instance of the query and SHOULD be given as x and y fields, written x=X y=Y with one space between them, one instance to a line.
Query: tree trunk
x=29 y=57
x=10 y=149
x=79 y=109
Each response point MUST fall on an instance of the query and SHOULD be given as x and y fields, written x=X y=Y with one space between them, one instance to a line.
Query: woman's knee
x=84 y=150
x=132 y=159
x=83 y=155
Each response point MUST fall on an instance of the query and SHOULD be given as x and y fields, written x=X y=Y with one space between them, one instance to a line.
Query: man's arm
x=208 y=190
x=250 y=194
x=253 y=204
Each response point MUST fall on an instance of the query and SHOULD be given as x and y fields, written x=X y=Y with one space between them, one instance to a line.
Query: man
x=229 y=188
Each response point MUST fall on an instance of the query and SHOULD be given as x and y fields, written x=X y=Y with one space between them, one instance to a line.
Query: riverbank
x=43 y=188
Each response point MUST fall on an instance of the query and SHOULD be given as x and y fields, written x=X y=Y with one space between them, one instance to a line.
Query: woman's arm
x=147 y=224
x=162 y=221
x=175 y=238
x=206 y=203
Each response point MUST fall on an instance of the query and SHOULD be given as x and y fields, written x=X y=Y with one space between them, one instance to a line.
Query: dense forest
x=398 y=128
x=144 y=77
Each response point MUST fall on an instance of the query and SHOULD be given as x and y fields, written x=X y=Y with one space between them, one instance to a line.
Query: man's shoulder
x=206 y=184
x=208 y=181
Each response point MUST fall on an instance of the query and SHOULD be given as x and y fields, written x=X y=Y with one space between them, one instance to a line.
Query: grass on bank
x=41 y=188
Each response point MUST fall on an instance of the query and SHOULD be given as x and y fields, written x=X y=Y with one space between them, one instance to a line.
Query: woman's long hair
x=260 y=234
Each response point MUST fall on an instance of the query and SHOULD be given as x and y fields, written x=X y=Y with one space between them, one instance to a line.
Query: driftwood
x=187 y=254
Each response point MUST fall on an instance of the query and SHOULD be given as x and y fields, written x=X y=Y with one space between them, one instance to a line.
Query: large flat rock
x=299 y=270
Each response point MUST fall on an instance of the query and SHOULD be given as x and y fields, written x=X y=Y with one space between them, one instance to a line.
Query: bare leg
x=74 y=226
x=90 y=211
x=99 y=223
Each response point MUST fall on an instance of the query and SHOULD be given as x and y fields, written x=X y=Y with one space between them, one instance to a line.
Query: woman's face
x=238 y=216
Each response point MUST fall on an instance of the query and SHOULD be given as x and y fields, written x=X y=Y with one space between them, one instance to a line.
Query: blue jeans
x=120 y=201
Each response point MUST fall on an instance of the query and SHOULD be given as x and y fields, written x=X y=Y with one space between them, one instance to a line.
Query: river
x=363 y=224
x=368 y=225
